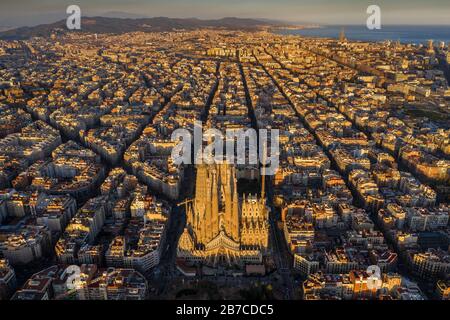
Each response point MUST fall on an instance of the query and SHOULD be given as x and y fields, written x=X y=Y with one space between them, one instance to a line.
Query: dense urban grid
x=87 y=177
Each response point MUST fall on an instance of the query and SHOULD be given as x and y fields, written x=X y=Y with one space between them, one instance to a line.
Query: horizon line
x=262 y=19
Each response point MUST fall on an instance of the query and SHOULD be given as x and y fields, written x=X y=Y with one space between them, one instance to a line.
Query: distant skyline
x=16 y=13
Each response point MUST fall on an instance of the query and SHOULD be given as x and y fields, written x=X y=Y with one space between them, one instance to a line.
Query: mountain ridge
x=100 y=24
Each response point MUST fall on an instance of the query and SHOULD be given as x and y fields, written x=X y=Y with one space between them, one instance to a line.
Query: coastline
x=403 y=33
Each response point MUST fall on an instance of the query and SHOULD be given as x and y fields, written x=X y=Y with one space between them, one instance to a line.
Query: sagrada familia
x=223 y=228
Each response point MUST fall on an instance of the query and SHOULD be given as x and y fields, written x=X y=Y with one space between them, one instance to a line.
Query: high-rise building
x=342 y=37
x=223 y=228
x=430 y=47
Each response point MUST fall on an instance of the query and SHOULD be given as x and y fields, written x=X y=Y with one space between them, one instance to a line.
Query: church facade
x=223 y=228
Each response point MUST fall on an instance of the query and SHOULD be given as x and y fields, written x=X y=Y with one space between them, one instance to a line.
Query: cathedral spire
x=224 y=226
x=263 y=187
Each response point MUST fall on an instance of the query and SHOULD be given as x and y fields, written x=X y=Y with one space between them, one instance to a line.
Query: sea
x=404 y=34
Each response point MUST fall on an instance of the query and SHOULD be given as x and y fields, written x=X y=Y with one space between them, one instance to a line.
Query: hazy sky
x=32 y=12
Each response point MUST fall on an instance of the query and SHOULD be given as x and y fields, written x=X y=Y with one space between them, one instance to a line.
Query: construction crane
x=185 y=203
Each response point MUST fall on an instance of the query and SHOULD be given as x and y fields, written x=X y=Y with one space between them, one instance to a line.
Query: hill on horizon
x=123 y=25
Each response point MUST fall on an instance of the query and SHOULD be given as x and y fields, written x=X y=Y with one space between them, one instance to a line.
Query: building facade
x=223 y=228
